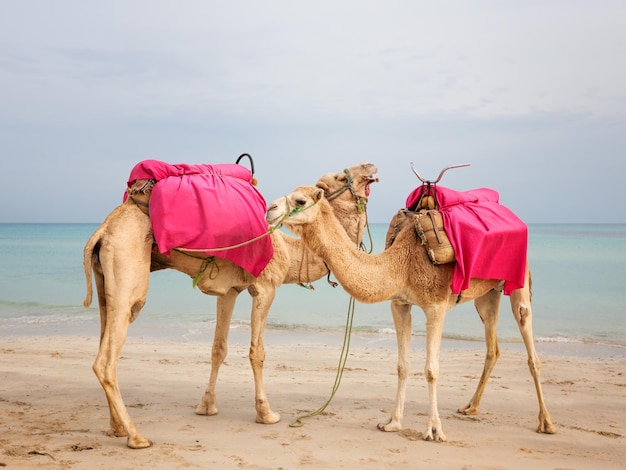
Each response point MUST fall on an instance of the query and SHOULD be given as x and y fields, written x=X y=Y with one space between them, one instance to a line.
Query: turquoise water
x=579 y=275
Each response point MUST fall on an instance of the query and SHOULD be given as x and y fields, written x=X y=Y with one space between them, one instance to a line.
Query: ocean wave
x=7 y=305
x=577 y=340
x=9 y=322
x=35 y=316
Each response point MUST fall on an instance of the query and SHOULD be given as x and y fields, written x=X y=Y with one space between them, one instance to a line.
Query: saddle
x=430 y=229
x=204 y=208
x=485 y=239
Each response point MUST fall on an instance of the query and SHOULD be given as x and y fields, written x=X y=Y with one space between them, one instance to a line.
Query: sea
x=579 y=295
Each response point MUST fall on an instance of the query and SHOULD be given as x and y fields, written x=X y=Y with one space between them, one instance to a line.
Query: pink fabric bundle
x=489 y=240
x=204 y=207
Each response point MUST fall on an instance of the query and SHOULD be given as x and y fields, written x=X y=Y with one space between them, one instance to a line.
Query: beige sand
x=53 y=413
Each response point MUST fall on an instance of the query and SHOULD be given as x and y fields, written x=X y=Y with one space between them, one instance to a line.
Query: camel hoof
x=434 y=436
x=268 y=418
x=389 y=426
x=468 y=410
x=206 y=410
x=138 y=443
x=547 y=428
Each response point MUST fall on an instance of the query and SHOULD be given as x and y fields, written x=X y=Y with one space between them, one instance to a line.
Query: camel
x=120 y=253
x=404 y=274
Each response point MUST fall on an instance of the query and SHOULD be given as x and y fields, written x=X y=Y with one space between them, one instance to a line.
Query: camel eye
x=300 y=202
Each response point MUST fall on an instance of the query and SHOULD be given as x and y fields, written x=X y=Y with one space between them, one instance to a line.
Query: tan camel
x=120 y=253
x=404 y=274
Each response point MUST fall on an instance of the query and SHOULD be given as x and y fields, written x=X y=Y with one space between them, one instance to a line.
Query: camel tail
x=88 y=263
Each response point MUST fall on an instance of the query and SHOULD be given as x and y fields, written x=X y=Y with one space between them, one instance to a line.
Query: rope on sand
x=342 y=363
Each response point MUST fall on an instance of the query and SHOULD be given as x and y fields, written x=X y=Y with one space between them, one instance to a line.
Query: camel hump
x=139 y=193
x=398 y=222
x=429 y=227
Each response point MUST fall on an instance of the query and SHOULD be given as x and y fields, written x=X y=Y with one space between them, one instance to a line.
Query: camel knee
x=431 y=374
x=493 y=355
x=219 y=352
x=534 y=364
x=106 y=374
x=257 y=356
x=99 y=371
x=403 y=371
x=522 y=315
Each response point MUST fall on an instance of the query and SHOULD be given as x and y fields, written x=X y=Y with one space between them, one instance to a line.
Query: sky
x=532 y=94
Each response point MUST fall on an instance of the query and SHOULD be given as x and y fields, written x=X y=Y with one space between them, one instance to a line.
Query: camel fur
x=404 y=274
x=121 y=255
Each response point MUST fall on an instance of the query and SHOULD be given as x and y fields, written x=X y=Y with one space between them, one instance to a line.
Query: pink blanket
x=489 y=241
x=206 y=207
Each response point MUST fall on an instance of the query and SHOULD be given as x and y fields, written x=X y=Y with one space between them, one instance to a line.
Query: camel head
x=297 y=208
x=346 y=191
x=352 y=183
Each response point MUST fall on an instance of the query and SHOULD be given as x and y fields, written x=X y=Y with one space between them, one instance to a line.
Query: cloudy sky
x=531 y=93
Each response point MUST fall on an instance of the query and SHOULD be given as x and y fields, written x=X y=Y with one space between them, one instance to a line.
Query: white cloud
x=305 y=86
x=346 y=58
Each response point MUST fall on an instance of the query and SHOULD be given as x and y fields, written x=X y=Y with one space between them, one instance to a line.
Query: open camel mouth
x=368 y=172
x=368 y=181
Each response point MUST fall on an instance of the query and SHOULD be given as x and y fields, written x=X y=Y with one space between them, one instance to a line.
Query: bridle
x=361 y=204
x=329 y=196
x=348 y=186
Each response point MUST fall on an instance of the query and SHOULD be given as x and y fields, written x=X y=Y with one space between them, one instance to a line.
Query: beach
x=54 y=413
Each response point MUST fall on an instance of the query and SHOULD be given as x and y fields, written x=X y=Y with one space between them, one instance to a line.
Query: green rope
x=213 y=273
x=295 y=210
x=342 y=363
x=369 y=234
x=210 y=261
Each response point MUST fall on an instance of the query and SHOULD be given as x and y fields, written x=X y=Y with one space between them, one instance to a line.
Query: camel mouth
x=368 y=181
x=369 y=172
x=272 y=221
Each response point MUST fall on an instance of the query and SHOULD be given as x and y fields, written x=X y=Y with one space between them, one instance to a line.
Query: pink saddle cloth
x=489 y=240
x=207 y=207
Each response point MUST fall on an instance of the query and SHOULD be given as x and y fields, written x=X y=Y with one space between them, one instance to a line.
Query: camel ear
x=318 y=194
x=323 y=185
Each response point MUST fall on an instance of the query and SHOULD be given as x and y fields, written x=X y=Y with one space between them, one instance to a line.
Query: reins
x=343 y=357
x=270 y=230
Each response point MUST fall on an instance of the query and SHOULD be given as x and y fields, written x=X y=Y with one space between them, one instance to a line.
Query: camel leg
x=115 y=421
x=121 y=309
x=520 y=303
x=435 y=316
x=225 y=307
x=487 y=307
x=122 y=278
x=105 y=368
x=401 y=313
x=261 y=303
